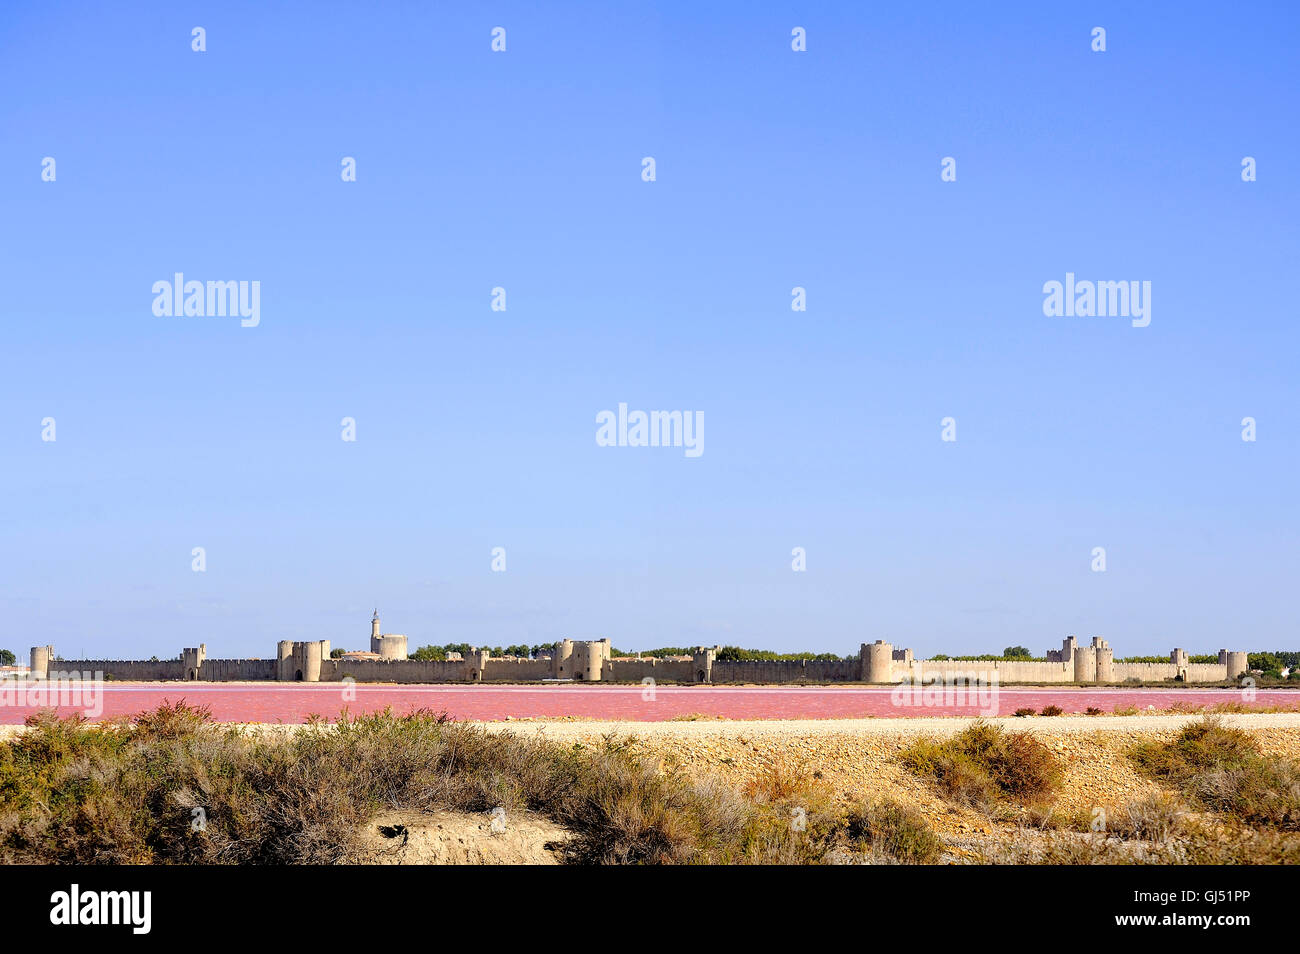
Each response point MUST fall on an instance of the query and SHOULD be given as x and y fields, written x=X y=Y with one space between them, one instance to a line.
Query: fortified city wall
x=591 y=661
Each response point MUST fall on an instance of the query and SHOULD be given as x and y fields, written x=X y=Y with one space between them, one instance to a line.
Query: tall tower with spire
x=387 y=645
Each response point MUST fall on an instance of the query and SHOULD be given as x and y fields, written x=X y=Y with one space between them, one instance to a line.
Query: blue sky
x=476 y=428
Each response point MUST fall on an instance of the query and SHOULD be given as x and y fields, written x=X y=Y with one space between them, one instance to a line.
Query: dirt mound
x=458 y=838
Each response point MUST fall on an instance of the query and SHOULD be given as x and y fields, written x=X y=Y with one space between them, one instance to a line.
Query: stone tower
x=41 y=656
x=284 y=660
x=1105 y=660
x=1236 y=663
x=389 y=645
x=581 y=659
x=192 y=659
x=702 y=661
x=1180 y=659
x=877 y=661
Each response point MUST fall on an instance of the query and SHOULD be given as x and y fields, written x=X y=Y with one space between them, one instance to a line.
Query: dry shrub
x=1157 y=816
x=1050 y=816
x=780 y=782
x=882 y=832
x=172 y=787
x=1222 y=769
x=1195 y=845
x=984 y=763
x=895 y=831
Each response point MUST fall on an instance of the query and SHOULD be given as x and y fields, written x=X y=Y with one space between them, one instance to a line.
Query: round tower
x=562 y=662
x=1105 y=660
x=309 y=660
x=588 y=660
x=1105 y=664
x=40 y=662
x=284 y=669
x=1085 y=664
x=1237 y=664
x=877 y=661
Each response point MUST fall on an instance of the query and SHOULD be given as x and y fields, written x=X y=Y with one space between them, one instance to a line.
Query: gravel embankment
x=944 y=725
x=858 y=759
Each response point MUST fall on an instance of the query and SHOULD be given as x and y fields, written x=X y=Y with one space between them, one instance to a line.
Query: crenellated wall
x=1155 y=672
x=590 y=661
x=395 y=670
x=1073 y=664
x=238 y=670
x=950 y=670
x=426 y=670
x=124 y=670
x=631 y=669
x=787 y=670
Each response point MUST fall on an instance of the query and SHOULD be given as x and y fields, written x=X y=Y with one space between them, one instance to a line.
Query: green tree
x=7 y=658
x=737 y=654
x=1264 y=662
x=1015 y=652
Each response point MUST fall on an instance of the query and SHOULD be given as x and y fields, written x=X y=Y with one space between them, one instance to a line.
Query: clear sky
x=476 y=428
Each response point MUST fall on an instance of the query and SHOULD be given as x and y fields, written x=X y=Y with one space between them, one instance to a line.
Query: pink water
x=250 y=702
